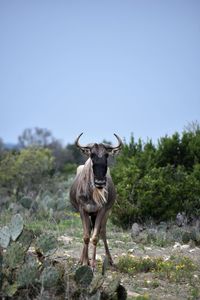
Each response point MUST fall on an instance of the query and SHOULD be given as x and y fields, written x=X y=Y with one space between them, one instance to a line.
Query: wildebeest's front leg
x=95 y=235
x=86 y=236
x=104 y=238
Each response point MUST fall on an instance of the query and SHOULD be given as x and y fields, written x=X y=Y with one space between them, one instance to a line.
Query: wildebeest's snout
x=100 y=183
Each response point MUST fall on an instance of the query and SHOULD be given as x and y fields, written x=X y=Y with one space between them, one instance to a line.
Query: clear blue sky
x=99 y=67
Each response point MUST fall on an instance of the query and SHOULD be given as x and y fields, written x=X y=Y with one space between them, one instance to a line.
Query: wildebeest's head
x=99 y=156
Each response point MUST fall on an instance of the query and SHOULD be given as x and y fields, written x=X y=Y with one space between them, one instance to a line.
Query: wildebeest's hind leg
x=103 y=237
x=84 y=260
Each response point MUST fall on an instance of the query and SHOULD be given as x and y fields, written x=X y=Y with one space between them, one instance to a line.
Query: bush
x=23 y=172
x=157 y=182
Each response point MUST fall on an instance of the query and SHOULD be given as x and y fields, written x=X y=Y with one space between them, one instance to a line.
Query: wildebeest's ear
x=85 y=151
x=113 y=151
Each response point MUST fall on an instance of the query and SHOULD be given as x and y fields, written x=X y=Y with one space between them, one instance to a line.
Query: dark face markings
x=99 y=158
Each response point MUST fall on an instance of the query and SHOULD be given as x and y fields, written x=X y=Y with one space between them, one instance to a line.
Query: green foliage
x=24 y=171
x=24 y=275
x=158 y=182
x=132 y=265
x=175 y=269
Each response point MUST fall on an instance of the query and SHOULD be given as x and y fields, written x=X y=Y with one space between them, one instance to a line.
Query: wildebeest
x=93 y=194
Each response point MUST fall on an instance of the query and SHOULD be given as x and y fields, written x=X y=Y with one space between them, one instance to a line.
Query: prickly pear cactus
x=84 y=275
x=46 y=244
x=10 y=290
x=26 y=238
x=26 y=202
x=16 y=226
x=47 y=201
x=28 y=275
x=96 y=283
x=49 y=277
x=96 y=296
x=4 y=237
x=110 y=287
x=14 y=255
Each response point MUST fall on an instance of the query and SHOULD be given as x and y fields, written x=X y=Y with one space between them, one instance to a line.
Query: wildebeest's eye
x=92 y=155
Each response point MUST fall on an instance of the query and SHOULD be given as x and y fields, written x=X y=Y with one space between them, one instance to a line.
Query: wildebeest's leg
x=86 y=237
x=95 y=235
x=103 y=236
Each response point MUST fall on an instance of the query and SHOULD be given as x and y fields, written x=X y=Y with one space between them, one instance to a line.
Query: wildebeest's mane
x=86 y=185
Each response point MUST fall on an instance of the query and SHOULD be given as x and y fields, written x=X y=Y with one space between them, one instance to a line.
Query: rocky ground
x=179 y=274
x=151 y=261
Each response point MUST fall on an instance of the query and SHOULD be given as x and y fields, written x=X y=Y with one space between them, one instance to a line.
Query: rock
x=133 y=294
x=121 y=243
x=65 y=239
x=131 y=250
x=147 y=248
x=185 y=247
x=181 y=219
x=135 y=231
x=177 y=246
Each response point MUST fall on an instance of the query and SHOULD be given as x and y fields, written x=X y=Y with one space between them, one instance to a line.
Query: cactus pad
x=27 y=275
x=111 y=286
x=46 y=244
x=14 y=255
x=49 y=277
x=84 y=275
x=4 y=237
x=26 y=238
x=26 y=202
x=16 y=226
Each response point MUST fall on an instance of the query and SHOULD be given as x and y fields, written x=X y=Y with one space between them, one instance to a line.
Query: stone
x=135 y=230
x=181 y=219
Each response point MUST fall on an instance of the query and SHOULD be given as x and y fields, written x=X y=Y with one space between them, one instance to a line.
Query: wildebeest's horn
x=79 y=145
x=115 y=148
x=120 y=143
x=77 y=141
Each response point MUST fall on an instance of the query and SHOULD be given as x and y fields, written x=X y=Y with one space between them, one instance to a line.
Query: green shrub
x=157 y=182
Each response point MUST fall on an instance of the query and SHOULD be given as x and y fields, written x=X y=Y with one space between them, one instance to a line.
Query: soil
x=142 y=285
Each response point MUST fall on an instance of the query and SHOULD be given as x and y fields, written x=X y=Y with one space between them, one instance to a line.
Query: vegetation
x=157 y=182
x=154 y=183
x=36 y=274
x=175 y=268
